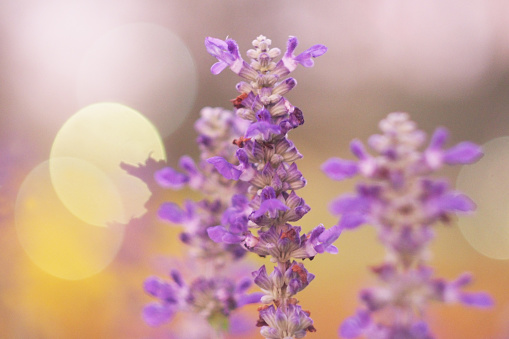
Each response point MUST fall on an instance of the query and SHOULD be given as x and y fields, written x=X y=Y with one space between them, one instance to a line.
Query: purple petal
x=244 y=284
x=226 y=169
x=216 y=233
x=348 y=204
x=291 y=45
x=156 y=314
x=169 y=178
x=242 y=156
x=305 y=58
x=332 y=249
x=187 y=164
x=151 y=285
x=271 y=206
x=438 y=139
x=177 y=278
x=284 y=87
x=268 y=192
x=479 y=299
x=317 y=50
x=218 y=67
x=463 y=153
x=262 y=127
x=249 y=299
x=339 y=169
x=351 y=221
x=330 y=235
x=171 y=212
x=456 y=202
x=353 y=327
x=358 y=149
x=261 y=278
x=214 y=45
x=229 y=238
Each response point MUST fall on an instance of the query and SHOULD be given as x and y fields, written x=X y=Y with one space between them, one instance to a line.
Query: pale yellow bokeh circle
x=487 y=183
x=54 y=239
x=104 y=135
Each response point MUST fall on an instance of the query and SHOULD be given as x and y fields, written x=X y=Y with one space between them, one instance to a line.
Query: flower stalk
x=214 y=286
x=261 y=219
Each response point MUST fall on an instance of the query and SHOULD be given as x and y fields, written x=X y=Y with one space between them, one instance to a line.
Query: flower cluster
x=216 y=292
x=402 y=201
x=265 y=159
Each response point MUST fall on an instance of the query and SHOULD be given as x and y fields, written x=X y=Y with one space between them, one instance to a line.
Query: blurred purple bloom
x=402 y=201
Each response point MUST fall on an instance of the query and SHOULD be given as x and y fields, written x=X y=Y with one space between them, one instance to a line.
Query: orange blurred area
x=74 y=258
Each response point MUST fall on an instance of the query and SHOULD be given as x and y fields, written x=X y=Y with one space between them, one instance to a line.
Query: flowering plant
x=219 y=289
x=402 y=201
x=266 y=161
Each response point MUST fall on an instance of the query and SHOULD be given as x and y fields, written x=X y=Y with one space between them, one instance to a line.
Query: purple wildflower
x=216 y=291
x=402 y=201
x=266 y=162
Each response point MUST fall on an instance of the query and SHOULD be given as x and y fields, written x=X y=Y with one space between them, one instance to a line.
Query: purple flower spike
x=224 y=202
x=266 y=163
x=401 y=198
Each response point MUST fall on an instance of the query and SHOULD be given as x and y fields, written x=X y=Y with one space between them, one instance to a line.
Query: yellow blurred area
x=55 y=239
x=487 y=230
x=103 y=135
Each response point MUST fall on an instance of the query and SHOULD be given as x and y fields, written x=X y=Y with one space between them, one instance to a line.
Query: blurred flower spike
x=402 y=201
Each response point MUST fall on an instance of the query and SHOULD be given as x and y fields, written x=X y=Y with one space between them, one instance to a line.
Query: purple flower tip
x=457 y=202
x=439 y=138
x=479 y=299
x=358 y=149
x=463 y=153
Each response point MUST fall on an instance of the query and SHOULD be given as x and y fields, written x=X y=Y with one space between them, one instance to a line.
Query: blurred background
x=91 y=84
